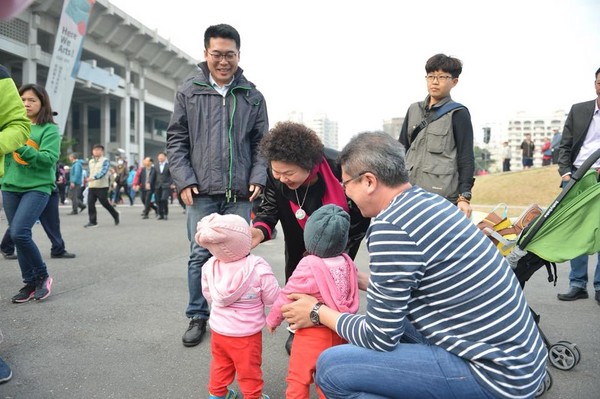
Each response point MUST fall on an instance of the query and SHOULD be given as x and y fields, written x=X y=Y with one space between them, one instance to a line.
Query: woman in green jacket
x=29 y=175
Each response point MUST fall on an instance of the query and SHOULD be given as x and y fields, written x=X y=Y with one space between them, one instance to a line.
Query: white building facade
x=125 y=87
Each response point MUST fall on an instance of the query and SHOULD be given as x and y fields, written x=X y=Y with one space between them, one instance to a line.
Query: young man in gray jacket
x=212 y=146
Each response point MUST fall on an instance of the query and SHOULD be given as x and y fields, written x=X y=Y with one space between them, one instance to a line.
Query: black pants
x=162 y=200
x=100 y=194
x=147 y=201
x=506 y=165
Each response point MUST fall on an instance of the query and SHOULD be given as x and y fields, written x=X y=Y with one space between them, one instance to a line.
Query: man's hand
x=297 y=313
x=187 y=194
x=465 y=208
x=255 y=190
x=257 y=236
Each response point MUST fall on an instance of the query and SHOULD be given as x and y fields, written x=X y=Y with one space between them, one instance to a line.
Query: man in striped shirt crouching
x=445 y=314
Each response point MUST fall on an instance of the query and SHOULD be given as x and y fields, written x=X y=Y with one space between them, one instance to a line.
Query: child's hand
x=271 y=329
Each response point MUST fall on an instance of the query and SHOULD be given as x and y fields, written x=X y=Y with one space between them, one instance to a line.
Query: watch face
x=467 y=195
x=314 y=317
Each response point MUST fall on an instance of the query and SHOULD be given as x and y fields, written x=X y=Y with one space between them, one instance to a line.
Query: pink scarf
x=334 y=193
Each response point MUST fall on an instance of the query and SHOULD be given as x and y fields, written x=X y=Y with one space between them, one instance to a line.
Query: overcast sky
x=361 y=62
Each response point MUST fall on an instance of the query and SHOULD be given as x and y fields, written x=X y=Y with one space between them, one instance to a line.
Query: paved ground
x=112 y=327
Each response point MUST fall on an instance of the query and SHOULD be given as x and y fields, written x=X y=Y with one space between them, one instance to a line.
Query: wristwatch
x=314 y=314
x=465 y=197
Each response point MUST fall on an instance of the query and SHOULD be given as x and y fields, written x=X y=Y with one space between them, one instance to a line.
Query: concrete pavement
x=112 y=327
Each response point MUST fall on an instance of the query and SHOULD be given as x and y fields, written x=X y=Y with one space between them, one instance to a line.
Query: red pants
x=241 y=355
x=308 y=345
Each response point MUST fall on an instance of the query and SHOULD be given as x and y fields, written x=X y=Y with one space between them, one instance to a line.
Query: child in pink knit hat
x=331 y=276
x=238 y=286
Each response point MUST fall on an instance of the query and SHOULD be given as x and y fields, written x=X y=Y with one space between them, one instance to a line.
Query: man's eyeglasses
x=345 y=182
x=229 y=56
x=441 y=78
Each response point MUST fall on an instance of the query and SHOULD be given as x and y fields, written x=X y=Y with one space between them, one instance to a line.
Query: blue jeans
x=578 y=277
x=22 y=211
x=203 y=206
x=50 y=221
x=414 y=369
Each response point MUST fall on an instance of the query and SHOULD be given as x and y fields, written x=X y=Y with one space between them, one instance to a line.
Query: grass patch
x=516 y=189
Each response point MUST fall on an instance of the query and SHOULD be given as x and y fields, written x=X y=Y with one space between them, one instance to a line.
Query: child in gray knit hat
x=327 y=273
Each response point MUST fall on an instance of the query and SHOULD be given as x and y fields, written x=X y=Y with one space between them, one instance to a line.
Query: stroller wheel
x=545 y=385
x=562 y=356
x=574 y=348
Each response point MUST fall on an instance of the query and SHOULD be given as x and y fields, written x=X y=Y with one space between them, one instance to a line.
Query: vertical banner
x=66 y=55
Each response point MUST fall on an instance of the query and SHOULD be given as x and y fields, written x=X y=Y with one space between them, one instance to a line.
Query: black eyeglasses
x=229 y=56
x=440 y=78
x=345 y=182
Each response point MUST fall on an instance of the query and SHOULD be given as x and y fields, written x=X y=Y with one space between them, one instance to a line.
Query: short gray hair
x=378 y=153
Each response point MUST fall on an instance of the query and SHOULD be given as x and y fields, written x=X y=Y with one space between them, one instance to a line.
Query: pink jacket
x=333 y=281
x=238 y=293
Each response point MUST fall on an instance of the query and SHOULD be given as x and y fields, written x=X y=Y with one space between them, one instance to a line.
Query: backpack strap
x=432 y=116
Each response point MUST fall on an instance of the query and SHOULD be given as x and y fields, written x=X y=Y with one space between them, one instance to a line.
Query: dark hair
x=45 y=115
x=378 y=153
x=222 y=31
x=442 y=62
x=74 y=155
x=597 y=72
x=294 y=143
x=163 y=153
x=98 y=146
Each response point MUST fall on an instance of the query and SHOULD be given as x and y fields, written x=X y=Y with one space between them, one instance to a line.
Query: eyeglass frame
x=439 y=78
x=361 y=174
x=228 y=56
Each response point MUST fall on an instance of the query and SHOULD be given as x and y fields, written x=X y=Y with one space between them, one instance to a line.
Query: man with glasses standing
x=212 y=146
x=438 y=137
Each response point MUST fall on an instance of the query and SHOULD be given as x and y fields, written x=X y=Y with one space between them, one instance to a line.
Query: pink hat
x=227 y=237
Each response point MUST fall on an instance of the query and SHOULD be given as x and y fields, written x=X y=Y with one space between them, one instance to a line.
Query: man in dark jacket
x=218 y=122
x=163 y=186
x=580 y=138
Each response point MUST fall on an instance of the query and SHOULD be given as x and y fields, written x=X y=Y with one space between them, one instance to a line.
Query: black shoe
x=82 y=208
x=25 y=294
x=597 y=296
x=288 y=343
x=90 y=224
x=43 y=288
x=574 y=294
x=72 y=213
x=12 y=256
x=145 y=217
x=161 y=218
x=194 y=333
x=64 y=255
x=118 y=219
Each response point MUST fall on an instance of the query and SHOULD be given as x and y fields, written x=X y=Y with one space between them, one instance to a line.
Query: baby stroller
x=575 y=213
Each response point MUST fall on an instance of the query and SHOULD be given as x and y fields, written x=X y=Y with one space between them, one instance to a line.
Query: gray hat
x=326 y=231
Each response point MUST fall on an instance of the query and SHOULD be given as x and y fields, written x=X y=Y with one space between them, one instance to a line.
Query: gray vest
x=431 y=159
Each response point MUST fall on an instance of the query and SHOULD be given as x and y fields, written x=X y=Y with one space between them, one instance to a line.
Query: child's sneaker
x=25 y=294
x=265 y=396
x=230 y=395
x=43 y=288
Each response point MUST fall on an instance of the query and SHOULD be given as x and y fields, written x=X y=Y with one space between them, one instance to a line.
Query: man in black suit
x=163 y=186
x=581 y=137
x=147 y=185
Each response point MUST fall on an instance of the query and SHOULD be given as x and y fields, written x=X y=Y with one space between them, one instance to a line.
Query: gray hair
x=378 y=153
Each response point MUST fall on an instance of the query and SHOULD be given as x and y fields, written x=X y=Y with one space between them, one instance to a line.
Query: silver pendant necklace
x=300 y=213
